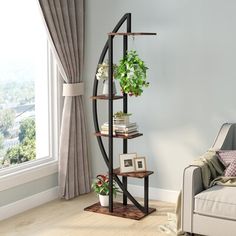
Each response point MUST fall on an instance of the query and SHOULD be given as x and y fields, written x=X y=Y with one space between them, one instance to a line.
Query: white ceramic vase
x=104 y=200
x=105 y=90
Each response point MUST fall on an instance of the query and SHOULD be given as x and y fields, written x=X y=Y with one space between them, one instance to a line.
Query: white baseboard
x=154 y=193
x=28 y=203
x=51 y=194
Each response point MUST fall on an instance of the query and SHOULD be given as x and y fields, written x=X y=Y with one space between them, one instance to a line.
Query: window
x=25 y=86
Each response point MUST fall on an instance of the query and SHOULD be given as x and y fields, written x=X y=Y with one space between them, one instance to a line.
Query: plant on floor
x=131 y=73
x=101 y=185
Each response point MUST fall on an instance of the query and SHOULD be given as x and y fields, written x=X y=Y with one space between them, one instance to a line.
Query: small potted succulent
x=131 y=73
x=101 y=187
x=102 y=74
x=121 y=118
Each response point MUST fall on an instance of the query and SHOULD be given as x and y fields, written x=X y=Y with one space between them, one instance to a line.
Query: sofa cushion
x=226 y=156
x=218 y=201
x=231 y=169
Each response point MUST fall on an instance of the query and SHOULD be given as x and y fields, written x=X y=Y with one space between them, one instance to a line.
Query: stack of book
x=120 y=129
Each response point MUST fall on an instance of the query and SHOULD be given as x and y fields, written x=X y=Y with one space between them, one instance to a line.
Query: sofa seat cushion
x=218 y=201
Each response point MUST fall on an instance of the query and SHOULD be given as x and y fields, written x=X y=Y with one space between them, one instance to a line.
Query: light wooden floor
x=67 y=218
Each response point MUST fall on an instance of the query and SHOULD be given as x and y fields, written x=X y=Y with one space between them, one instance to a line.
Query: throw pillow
x=231 y=169
x=226 y=156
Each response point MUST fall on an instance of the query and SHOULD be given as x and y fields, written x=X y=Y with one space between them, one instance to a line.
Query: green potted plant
x=102 y=74
x=131 y=73
x=121 y=117
x=101 y=187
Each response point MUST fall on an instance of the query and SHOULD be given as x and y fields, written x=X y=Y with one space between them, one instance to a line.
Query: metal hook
x=133 y=42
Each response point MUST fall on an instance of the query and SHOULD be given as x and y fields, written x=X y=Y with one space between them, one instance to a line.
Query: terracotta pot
x=104 y=200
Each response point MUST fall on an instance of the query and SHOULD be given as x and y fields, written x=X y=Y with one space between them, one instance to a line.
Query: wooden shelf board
x=132 y=33
x=103 y=97
x=120 y=136
x=125 y=211
x=139 y=175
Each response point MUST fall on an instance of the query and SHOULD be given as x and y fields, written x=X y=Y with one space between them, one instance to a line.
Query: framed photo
x=127 y=162
x=140 y=164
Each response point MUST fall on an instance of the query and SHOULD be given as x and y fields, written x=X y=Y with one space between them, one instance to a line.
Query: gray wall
x=28 y=189
x=192 y=78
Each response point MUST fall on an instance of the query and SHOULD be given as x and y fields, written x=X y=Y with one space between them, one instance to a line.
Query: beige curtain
x=65 y=24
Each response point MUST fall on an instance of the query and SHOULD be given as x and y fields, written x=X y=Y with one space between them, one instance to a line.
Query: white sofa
x=213 y=211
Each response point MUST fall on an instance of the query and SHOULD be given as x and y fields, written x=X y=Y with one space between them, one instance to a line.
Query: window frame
x=35 y=169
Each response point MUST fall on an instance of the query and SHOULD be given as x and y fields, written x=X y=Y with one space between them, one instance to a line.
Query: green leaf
x=131 y=73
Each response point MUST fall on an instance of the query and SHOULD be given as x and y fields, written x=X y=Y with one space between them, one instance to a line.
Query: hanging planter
x=131 y=73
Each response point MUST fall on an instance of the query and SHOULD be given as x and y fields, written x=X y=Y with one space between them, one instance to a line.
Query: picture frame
x=140 y=164
x=127 y=162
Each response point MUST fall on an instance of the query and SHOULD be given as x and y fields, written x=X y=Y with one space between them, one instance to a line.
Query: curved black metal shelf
x=108 y=158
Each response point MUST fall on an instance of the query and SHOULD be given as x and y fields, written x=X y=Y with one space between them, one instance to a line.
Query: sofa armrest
x=192 y=185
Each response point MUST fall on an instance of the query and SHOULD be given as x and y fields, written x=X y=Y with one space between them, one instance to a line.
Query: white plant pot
x=124 y=120
x=104 y=200
x=105 y=90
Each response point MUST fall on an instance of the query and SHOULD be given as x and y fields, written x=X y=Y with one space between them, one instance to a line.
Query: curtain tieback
x=75 y=89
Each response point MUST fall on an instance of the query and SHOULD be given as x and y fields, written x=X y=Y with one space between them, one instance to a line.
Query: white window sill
x=26 y=175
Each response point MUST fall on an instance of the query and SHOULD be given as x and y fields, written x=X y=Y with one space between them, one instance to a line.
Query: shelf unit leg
x=110 y=120
x=146 y=185
x=125 y=103
x=125 y=183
